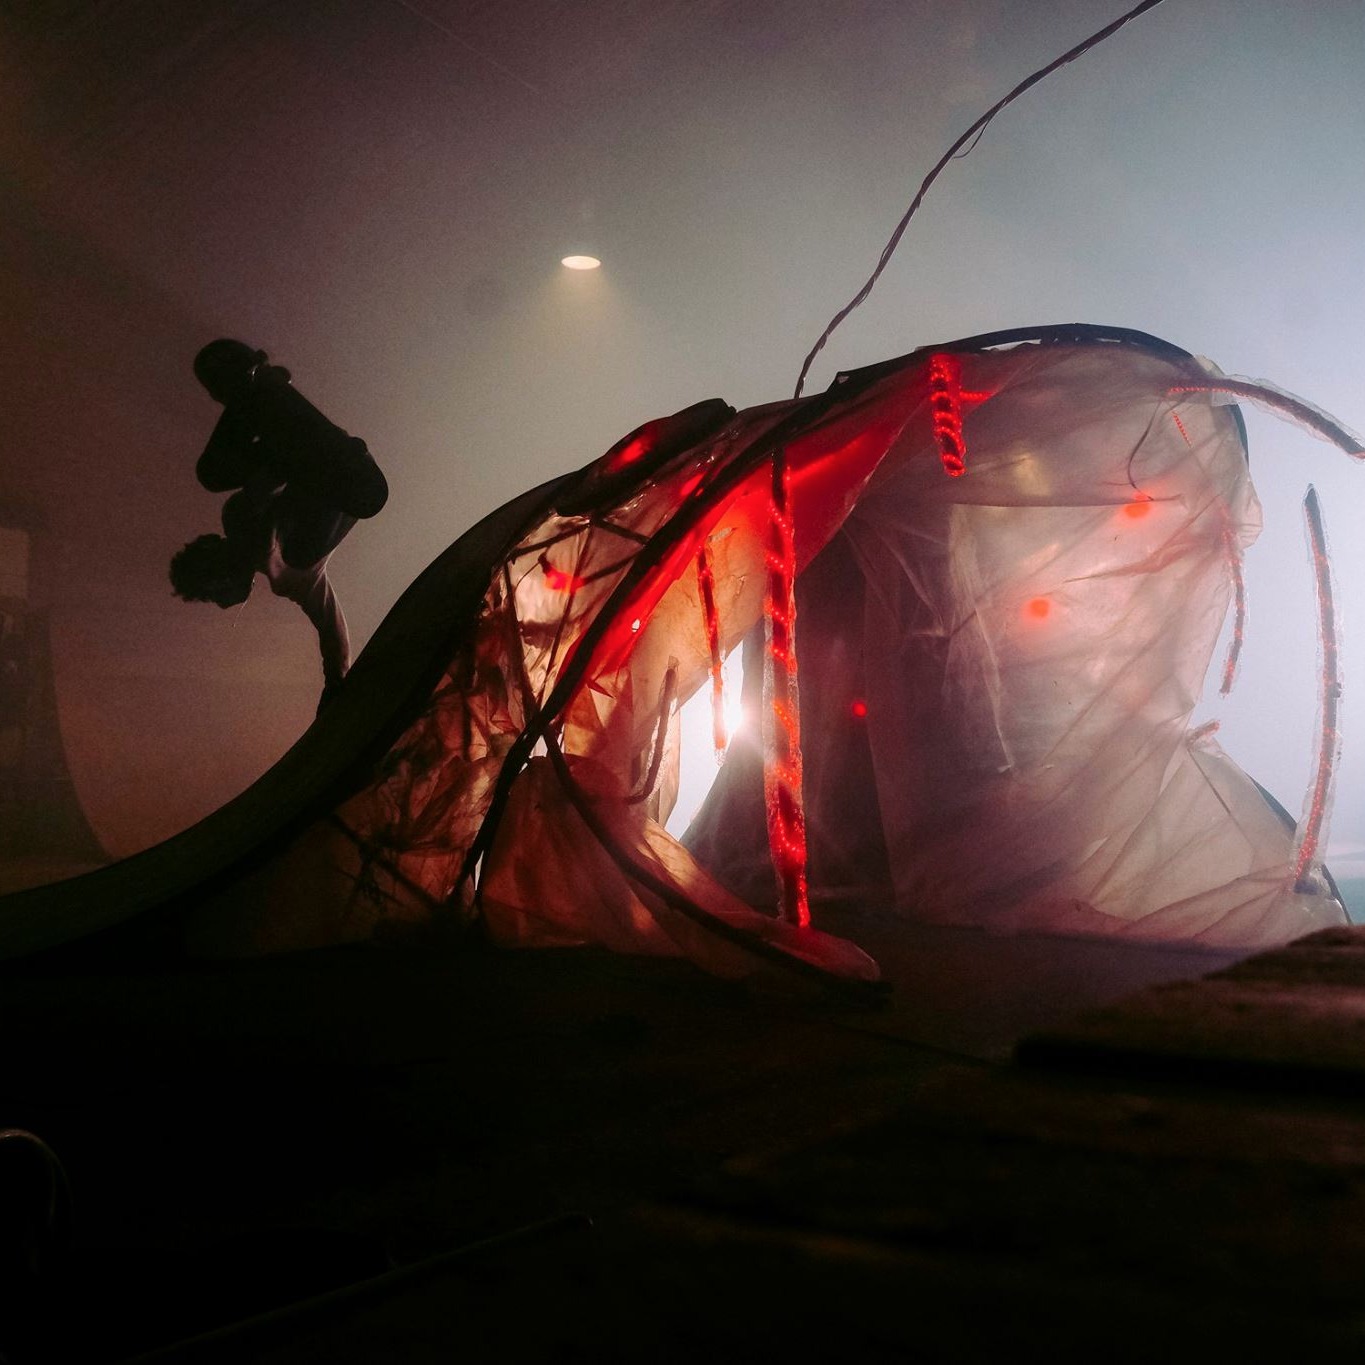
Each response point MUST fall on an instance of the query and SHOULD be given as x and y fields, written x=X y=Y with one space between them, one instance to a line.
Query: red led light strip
x=1307 y=855
x=945 y=403
x=1295 y=409
x=782 y=721
x=706 y=580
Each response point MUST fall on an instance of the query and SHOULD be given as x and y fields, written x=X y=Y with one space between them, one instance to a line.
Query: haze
x=380 y=193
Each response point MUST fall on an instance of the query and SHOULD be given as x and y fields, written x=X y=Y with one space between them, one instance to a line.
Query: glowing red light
x=782 y=735
x=557 y=580
x=858 y=710
x=1139 y=507
x=629 y=454
x=945 y=403
x=1038 y=607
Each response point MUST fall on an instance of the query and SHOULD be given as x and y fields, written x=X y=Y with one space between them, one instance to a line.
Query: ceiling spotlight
x=581 y=262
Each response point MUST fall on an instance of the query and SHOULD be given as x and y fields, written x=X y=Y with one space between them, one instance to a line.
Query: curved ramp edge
x=389 y=681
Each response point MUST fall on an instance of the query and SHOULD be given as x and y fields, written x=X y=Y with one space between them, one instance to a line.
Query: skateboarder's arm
x=312 y=591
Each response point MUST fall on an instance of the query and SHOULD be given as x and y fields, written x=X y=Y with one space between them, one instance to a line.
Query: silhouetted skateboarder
x=300 y=484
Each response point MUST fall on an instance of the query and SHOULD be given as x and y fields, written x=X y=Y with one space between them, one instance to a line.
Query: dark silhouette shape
x=298 y=484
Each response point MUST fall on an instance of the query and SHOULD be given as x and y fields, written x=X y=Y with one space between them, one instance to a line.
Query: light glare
x=581 y=262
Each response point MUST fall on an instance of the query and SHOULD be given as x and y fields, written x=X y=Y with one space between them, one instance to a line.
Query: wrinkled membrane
x=997 y=675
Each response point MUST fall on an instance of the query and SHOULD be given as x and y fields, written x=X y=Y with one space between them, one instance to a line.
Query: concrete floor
x=241 y=1137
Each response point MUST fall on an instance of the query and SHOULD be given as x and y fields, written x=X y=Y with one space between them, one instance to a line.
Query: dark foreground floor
x=572 y=1156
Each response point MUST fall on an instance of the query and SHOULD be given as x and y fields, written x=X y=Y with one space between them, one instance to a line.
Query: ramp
x=391 y=679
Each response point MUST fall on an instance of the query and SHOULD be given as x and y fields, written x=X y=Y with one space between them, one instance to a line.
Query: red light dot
x=1038 y=607
x=628 y=455
x=1139 y=507
x=858 y=710
x=559 y=581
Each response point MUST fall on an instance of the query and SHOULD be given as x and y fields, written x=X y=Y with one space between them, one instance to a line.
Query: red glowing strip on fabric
x=782 y=738
x=945 y=405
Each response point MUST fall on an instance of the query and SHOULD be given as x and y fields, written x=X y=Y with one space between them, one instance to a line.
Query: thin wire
x=967 y=151
x=974 y=131
x=1308 y=855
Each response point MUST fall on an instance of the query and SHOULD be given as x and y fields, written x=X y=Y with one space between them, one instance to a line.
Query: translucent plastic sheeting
x=574 y=600
x=998 y=663
x=998 y=672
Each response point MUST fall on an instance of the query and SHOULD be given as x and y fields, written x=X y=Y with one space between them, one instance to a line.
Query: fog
x=379 y=194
